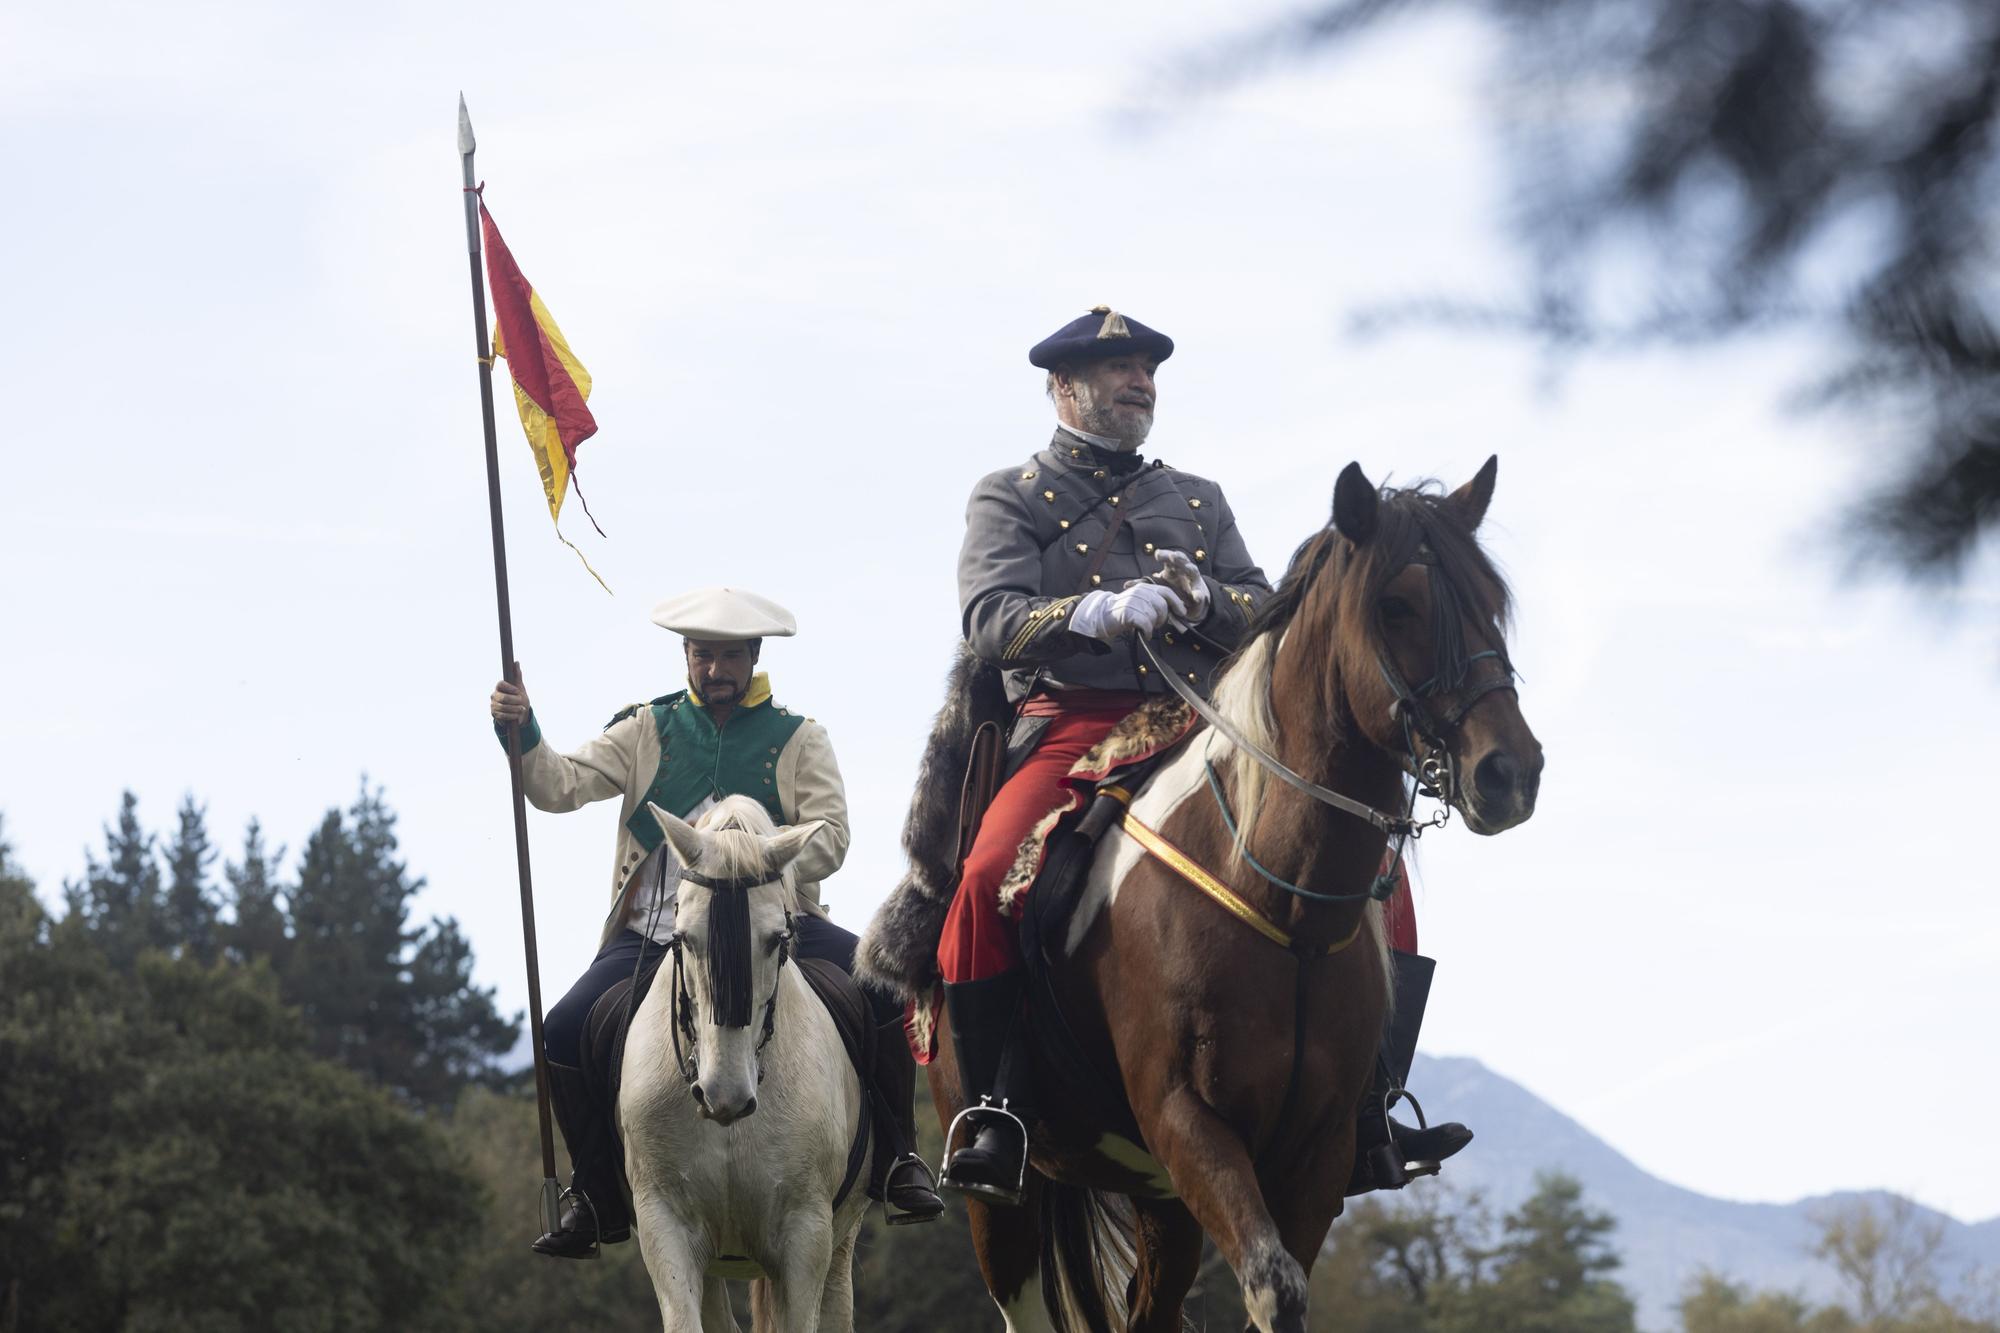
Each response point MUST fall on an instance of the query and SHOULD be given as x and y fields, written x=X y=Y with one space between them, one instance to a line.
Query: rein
x=1433 y=774
x=1388 y=823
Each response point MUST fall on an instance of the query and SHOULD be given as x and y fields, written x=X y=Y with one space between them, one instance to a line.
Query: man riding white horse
x=721 y=736
x=1067 y=557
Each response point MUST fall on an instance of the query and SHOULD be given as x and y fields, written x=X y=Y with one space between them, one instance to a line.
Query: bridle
x=1426 y=757
x=1434 y=771
x=681 y=1001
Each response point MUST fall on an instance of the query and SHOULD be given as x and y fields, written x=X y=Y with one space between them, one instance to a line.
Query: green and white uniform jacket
x=670 y=752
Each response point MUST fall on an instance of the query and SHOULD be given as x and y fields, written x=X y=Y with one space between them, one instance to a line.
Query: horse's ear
x=1356 y=504
x=680 y=835
x=1471 y=499
x=781 y=848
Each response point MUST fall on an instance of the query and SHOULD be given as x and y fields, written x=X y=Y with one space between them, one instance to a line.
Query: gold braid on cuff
x=1055 y=615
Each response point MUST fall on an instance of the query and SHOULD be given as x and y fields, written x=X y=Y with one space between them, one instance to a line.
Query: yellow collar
x=1226 y=898
x=758 y=693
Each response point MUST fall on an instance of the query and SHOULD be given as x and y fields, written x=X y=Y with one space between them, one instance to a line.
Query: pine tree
x=396 y=1004
x=119 y=898
x=172 y=1158
x=1553 y=1269
x=257 y=925
x=189 y=916
x=348 y=940
x=461 y=1033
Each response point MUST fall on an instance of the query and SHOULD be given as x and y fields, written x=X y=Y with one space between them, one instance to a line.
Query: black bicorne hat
x=1101 y=333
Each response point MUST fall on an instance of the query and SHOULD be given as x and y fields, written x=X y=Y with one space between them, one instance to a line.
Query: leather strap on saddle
x=983 y=774
x=1096 y=565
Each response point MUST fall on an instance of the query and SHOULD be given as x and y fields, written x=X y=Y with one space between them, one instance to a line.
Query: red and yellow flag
x=550 y=384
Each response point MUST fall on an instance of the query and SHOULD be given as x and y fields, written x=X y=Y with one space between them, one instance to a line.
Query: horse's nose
x=1502 y=778
x=699 y=1099
x=723 y=1115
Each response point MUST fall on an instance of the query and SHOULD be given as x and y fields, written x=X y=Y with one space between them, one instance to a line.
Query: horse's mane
x=1344 y=605
x=1409 y=517
x=737 y=827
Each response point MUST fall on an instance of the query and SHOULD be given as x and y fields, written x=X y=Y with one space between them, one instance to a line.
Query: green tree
x=460 y=1034
x=1714 y=1305
x=393 y=1003
x=256 y=928
x=1552 y=1268
x=509 y=1289
x=1885 y=1257
x=173 y=1157
x=188 y=911
x=118 y=899
x=1434 y=1262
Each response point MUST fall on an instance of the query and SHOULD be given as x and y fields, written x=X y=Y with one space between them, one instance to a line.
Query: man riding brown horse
x=1068 y=559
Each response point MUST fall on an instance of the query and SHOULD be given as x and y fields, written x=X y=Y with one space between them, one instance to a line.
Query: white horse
x=717 y=1191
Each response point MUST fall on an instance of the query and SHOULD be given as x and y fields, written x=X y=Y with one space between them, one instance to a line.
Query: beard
x=1101 y=416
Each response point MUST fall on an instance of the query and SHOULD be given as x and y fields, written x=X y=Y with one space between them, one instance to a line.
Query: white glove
x=1181 y=575
x=1142 y=608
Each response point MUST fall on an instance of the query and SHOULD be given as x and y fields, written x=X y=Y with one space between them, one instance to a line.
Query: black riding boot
x=593 y=1207
x=900 y=1179
x=1387 y=1153
x=993 y=1071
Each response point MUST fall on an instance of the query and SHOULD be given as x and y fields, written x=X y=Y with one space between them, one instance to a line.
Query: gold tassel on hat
x=1114 y=323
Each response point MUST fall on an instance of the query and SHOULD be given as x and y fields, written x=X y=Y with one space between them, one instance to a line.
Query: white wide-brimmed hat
x=724 y=613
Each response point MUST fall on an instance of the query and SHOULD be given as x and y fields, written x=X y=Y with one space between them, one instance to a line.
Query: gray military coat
x=1032 y=535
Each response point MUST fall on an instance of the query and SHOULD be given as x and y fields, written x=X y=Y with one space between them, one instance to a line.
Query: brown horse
x=1243 y=1060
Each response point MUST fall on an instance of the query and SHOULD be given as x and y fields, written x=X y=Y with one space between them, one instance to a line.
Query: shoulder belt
x=629 y=709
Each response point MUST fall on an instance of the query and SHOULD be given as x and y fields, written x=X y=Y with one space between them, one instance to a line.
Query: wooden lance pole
x=509 y=668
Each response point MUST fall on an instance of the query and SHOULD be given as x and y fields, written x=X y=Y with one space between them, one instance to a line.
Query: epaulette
x=630 y=709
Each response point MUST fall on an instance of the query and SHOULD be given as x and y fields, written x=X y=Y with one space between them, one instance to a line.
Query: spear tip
x=466 y=143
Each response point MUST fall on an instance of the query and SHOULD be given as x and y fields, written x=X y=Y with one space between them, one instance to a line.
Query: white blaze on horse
x=738 y=1102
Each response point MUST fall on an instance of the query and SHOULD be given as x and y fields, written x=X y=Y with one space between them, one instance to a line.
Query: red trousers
x=978 y=942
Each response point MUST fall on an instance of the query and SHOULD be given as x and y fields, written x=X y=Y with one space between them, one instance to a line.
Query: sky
x=1747 y=937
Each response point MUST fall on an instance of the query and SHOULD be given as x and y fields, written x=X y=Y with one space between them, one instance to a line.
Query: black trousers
x=562 y=1027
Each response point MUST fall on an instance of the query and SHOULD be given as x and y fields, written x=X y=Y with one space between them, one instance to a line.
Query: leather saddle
x=1049 y=904
x=610 y=1021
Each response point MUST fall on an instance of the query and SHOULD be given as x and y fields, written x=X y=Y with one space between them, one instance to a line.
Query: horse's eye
x=1396 y=608
x=777 y=941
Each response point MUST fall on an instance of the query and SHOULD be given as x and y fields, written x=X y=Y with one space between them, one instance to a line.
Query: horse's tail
x=1087 y=1257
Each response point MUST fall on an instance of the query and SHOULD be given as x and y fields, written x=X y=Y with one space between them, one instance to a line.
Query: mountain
x=1666 y=1234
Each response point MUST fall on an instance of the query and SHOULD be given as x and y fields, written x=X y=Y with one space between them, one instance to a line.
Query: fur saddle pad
x=1146 y=732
